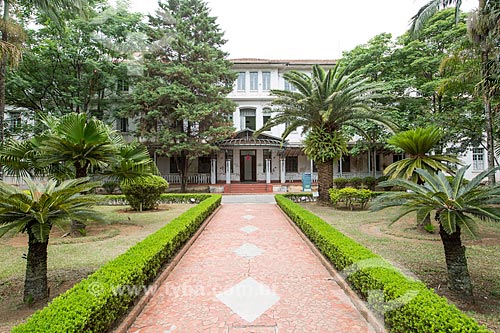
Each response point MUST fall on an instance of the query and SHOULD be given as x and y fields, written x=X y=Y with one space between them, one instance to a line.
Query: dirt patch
x=14 y=312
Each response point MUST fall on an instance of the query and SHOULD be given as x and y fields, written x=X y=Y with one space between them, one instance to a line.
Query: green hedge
x=93 y=305
x=407 y=305
x=165 y=198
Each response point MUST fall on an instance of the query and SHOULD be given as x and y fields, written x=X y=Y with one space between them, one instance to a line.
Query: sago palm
x=35 y=212
x=458 y=206
x=80 y=142
x=417 y=144
x=321 y=106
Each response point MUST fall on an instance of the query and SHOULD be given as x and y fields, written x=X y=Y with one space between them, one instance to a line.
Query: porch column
x=228 y=171
x=268 y=171
x=213 y=171
x=340 y=166
x=282 y=171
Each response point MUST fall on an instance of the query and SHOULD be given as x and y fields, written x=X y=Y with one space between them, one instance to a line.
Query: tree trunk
x=3 y=71
x=325 y=181
x=490 y=141
x=184 y=170
x=456 y=263
x=35 y=283
x=78 y=229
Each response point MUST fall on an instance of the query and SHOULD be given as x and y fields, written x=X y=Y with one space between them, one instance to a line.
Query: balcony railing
x=200 y=178
x=357 y=174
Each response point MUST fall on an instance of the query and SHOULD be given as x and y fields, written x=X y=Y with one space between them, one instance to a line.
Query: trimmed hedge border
x=165 y=198
x=95 y=303
x=407 y=305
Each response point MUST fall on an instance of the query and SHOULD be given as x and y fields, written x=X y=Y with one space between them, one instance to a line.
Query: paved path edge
x=129 y=318
x=355 y=299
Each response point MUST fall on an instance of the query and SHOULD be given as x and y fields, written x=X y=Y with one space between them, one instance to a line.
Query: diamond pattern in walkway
x=278 y=285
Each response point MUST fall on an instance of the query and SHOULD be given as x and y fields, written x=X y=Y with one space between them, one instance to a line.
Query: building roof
x=246 y=138
x=296 y=62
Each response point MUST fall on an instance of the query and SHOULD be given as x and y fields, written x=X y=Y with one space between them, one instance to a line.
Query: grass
x=72 y=259
x=420 y=254
x=123 y=228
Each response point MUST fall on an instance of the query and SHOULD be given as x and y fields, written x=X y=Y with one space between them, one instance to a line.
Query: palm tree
x=458 y=205
x=75 y=146
x=483 y=31
x=10 y=53
x=323 y=104
x=79 y=142
x=417 y=144
x=34 y=212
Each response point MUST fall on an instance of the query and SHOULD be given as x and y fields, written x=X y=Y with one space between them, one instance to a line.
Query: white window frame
x=289 y=86
x=254 y=81
x=477 y=159
x=242 y=80
x=246 y=112
x=266 y=81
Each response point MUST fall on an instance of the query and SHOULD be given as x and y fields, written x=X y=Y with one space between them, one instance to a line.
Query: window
x=254 y=81
x=204 y=164
x=122 y=85
x=123 y=124
x=14 y=120
x=241 y=81
x=397 y=157
x=266 y=155
x=173 y=166
x=247 y=119
x=289 y=86
x=265 y=119
x=292 y=164
x=266 y=81
x=377 y=162
x=229 y=156
x=477 y=159
x=346 y=164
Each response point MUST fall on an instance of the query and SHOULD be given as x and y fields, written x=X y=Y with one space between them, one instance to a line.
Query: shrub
x=94 y=304
x=340 y=182
x=370 y=182
x=144 y=193
x=406 y=305
x=110 y=186
x=355 y=182
x=383 y=179
x=351 y=196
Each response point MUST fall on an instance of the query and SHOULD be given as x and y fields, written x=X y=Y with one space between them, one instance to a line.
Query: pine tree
x=181 y=100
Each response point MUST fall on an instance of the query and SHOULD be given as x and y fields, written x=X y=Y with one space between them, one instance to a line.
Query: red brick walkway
x=249 y=271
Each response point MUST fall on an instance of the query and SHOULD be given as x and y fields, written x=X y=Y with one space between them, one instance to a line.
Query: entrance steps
x=248 y=188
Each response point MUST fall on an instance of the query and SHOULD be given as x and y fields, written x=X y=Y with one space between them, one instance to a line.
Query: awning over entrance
x=246 y=138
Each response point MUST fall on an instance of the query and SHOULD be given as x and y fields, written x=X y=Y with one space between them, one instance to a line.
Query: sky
x=298 y=29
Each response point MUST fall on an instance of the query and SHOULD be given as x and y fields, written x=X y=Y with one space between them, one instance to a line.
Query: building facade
x=266 y=159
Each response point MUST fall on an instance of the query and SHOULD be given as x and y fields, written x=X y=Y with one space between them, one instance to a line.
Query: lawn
x=72 y=259
x=420 y=254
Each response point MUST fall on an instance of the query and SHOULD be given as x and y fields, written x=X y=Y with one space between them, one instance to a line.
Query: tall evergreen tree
x=181 y=99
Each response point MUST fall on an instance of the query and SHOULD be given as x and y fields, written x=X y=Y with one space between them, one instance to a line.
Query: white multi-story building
x=266 y=159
